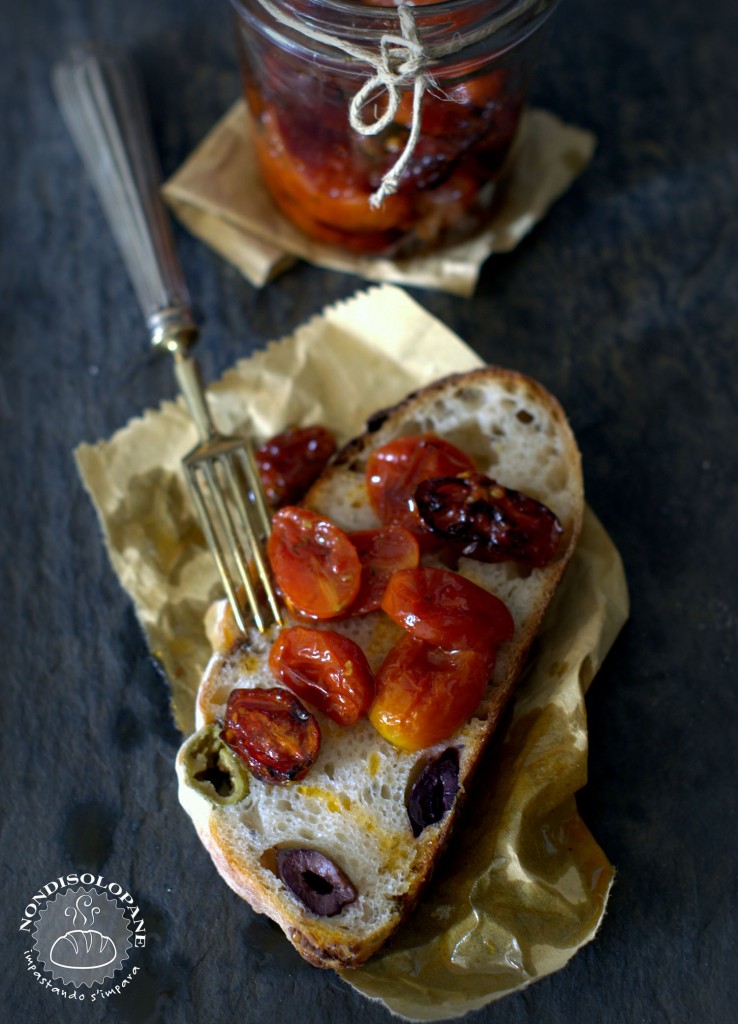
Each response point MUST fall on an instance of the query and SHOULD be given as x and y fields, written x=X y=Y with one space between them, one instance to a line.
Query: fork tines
x=229 y=501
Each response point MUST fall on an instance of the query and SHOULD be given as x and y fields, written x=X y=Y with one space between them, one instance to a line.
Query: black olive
x=315 y=880
x=434 y=791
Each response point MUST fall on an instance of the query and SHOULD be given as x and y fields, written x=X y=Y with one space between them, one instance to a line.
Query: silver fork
x=102 y=104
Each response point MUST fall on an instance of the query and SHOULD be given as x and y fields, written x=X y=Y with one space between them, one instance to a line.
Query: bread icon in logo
x=83 y=948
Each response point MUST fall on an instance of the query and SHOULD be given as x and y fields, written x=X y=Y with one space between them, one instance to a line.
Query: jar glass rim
x=357 y=19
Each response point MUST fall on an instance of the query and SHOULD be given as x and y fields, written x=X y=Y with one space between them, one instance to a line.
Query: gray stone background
x=624 y=302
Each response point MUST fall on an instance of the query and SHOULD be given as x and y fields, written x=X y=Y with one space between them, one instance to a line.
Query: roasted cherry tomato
x=314 y=563
x=424 y=694
x=446 y=609
x=395 y=470
x=459 y=110
x=489 y=522
x=275 y=735
x=325 y=669
x=291 y=461
x=330 y=196
x=381 y=552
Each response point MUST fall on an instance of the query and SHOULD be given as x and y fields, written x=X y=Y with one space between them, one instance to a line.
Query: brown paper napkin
x=527 y=884
x=218 y=194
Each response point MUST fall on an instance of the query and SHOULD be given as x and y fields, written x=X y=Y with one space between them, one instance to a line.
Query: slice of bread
x=352 y=805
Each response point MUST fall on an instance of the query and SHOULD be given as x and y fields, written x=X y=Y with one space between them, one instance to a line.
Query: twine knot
x=401 y=59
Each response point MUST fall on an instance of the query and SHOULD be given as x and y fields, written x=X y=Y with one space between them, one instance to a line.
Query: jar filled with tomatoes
x=383 y=128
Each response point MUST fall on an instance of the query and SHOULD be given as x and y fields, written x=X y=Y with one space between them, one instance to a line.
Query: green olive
x=213 y=769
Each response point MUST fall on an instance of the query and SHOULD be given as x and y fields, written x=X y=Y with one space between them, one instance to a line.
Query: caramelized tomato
x=446 y=609
x=395 y=470
x=275 y=735
x=489 y=522
x=291 y=461
x=325 y=669
x=424 y=693
x=458 y=111
x=314 y=563
x=327 y=194
x=381 y=552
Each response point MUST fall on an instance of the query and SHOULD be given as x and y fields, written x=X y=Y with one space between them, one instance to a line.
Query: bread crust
x=325 y=942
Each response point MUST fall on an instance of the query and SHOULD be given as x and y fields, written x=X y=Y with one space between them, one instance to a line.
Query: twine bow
x=402 y=59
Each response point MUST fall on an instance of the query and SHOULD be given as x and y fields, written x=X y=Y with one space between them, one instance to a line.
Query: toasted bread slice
x=352 y=806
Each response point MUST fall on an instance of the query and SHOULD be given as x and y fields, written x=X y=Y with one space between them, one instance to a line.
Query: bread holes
x=268 y=860
x=422 y=425
x=517 y=571
x=524 y=416
x=556 y=477
x=438 y=412
x=307 y=834
x=473 y=439
x=472 y=398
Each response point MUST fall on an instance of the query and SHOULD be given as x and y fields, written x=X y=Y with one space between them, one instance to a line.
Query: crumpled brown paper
x=219 y=195
x=525 y=884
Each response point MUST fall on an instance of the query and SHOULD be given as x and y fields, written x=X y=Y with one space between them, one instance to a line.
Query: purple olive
x=315 y=880
x=434 y=791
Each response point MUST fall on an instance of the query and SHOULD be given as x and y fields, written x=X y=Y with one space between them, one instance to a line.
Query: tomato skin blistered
x=487 y=521
x=272 y=732
x=325 y=669
x=395 y=470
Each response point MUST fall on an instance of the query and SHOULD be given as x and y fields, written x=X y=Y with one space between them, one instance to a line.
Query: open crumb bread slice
x=352 y=804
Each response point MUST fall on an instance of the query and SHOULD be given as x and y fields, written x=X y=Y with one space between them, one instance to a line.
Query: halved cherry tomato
x=314 y=563
x=489 y=522
x=276 y=736
x=381 y=552
x=325 y=669
x=447 y=609
x=335 y=196
x=459 y=111
x=394 y=471
x=424 y=694
x=367 y=242
x=289 y=462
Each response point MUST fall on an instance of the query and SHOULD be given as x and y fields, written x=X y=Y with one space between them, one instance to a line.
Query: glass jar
x=303 y=62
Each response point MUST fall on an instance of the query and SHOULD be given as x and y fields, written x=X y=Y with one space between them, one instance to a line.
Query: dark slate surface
x=625 y=302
